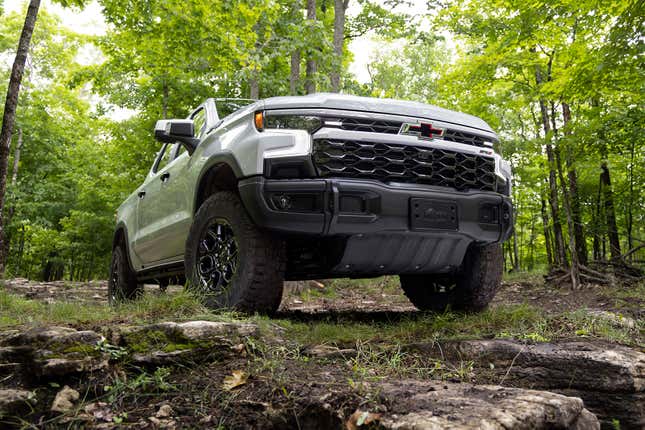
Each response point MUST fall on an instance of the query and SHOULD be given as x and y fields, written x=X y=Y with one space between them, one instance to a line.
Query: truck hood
x=370 y=104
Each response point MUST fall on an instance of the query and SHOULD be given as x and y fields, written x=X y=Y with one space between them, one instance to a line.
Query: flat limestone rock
x=171 y=342
x=14 y=401
x=581 y=365
x=609 y=378
x=54 y=351
x=416 y=404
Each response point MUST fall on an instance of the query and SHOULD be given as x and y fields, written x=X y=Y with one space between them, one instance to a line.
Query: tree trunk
x=516 y=257
x=164 y=99
x=340 y=6
x=254 y=86
x=14 y=179
x=610 y=214
x=9 y=114
x=575 y=267
x=531 y=262
x=547 y=235
x=566 y=201
x=578 y=230
x=560 y=256
x=630 y=216
x=16 y=158
x=294 y=77
x=310 y=79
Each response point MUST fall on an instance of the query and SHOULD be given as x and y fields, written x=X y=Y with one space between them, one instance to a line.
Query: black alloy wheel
x=217 y=257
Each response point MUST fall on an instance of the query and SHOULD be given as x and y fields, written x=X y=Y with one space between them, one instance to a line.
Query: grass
x=18 y=311
x=521 y=322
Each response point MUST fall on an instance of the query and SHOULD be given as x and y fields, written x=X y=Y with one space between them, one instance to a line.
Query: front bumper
x=390 y=228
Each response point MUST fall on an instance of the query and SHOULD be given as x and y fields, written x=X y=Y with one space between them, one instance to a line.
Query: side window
x=164 y=159
x=180 y=150
x=199 y=119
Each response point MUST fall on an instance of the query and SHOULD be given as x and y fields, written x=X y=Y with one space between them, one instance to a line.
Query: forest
x=561 y=81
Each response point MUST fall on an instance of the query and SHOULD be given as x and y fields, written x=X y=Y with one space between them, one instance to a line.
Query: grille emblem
x=423 y=130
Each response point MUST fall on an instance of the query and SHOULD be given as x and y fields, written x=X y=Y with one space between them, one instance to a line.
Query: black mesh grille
x=463 y=137
x=374 y=126
x=393 y=127
x=403 y=163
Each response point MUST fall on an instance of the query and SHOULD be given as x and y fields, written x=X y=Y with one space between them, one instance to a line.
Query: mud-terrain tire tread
x=129 y=288
x=258 y=283
x=475 y=283
x=480 y=278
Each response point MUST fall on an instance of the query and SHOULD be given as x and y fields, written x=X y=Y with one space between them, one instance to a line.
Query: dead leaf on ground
x=65 y=400
x=237 y=378
x=361 y=418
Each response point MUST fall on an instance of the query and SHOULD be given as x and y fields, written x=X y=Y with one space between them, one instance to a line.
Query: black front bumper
x=390 y=228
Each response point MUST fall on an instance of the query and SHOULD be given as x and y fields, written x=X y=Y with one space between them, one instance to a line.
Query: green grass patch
x=522 y=322
x=19 y=311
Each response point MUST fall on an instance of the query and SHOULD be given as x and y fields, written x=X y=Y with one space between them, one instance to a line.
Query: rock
x=328 y=352
x=614 y=319
x=171 y=342
x=15 y=401
x=165 y=411
x=414 y=404
x=609 y=378
x=53 y=351
x=64 y=400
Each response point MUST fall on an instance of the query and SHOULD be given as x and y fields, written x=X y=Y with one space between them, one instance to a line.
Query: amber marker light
x=259 y=120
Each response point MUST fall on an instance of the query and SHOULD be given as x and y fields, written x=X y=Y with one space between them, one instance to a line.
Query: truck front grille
x=393 y=127
x=403 y=163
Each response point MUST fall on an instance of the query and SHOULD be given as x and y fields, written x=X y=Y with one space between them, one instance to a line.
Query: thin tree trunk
x=9 y=114
x=516 y=258
x=630 y=216
x=312 y=66
x=560 y=256
x=531 y=244
x=578 y=229
x=547 y=235
x=340 y=6
x=566 y=200
x=610 y=214
x=14 y=179
x=16 y=158
x=254 y=86
x=575 y=266
x=164 y=99
x=596 y=221
x=294 y=77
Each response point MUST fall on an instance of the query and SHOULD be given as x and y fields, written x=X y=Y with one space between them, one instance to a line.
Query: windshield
x=225 y=107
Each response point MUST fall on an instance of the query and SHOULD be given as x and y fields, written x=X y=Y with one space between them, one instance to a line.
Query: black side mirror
x=177 y=130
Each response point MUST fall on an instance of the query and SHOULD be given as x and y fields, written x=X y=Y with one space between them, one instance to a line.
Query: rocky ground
x=339 y=354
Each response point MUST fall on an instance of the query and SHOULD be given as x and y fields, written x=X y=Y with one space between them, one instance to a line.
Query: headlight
x=267 y=120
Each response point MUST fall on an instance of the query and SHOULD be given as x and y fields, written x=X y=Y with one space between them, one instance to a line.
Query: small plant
x=146 y=382
x=115 y=352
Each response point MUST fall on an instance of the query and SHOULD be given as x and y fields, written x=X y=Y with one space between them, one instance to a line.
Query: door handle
x=141 y=194
x=165 y=176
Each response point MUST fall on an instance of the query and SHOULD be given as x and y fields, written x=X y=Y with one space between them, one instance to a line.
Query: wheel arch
x=121 y=237
x=221 y=174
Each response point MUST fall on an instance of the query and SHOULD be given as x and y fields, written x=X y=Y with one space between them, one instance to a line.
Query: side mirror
x=177 y=130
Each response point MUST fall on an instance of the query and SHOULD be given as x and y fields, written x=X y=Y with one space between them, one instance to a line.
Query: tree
x=312 y=65
x=9 y=114
x=340 y=7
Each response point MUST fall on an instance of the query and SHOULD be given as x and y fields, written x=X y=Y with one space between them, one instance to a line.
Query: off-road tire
x=256 y=285
x=471 y=289
x=122 y=284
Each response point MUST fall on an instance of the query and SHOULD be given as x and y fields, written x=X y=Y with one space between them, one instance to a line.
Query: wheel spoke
x=217 y=256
